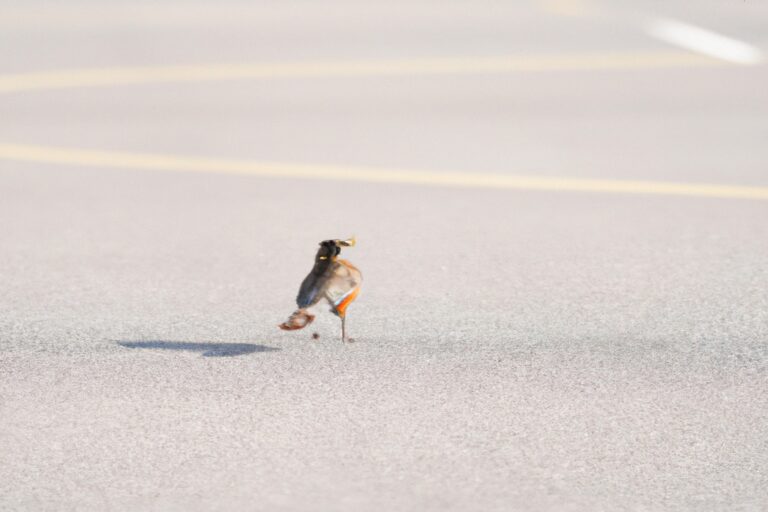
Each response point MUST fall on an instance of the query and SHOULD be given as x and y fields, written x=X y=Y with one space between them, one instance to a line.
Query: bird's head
x=329 y=249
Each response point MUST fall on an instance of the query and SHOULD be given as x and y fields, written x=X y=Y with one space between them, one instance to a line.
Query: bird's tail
x=298 y=320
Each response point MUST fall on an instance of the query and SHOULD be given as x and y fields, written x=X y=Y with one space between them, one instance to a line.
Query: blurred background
x=562 y=223
x=573 y=87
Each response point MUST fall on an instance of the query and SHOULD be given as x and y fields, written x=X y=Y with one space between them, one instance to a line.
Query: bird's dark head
x=329 y=249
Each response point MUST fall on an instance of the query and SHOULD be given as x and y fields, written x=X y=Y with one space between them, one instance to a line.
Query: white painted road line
x=705 y=42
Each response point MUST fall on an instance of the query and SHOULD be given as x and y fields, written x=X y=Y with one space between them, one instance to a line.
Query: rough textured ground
x=516 y=350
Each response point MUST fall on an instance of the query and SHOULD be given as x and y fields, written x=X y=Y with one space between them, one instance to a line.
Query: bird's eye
x=323 y=257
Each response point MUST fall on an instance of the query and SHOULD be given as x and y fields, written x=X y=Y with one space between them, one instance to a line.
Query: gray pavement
x=516 y=350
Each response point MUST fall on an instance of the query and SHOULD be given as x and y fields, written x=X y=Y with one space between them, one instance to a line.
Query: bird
x=331 y=279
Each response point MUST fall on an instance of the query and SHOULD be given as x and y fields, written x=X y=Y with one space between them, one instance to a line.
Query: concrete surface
x=516 y=350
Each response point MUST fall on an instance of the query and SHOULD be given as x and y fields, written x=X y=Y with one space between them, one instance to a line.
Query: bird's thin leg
x=343 y=330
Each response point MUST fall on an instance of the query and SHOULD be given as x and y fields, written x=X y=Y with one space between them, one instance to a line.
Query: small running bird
x=333 y=279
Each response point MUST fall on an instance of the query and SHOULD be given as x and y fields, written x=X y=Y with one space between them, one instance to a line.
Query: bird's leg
x=343 y=329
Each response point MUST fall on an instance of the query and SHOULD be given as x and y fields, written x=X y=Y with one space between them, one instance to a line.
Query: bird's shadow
x=207 y=349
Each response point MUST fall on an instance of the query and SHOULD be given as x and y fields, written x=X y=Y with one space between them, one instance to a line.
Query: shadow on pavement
x=208 y=349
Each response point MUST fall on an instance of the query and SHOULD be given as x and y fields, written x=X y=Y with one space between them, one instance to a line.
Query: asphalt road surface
x=562 y=217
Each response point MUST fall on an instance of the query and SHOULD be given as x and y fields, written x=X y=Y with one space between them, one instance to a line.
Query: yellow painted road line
x=101 y=77
x=142 y=161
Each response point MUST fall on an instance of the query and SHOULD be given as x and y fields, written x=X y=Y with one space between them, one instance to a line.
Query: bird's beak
x=350 y=242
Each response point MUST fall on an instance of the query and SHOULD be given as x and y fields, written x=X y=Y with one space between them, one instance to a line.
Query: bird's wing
x=309 y=293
